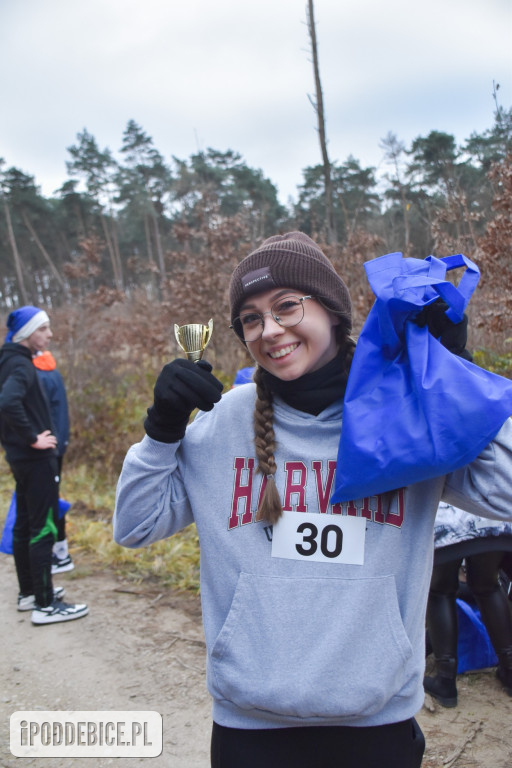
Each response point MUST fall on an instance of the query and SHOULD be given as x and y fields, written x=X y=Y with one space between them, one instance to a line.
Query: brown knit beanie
x=292 y=260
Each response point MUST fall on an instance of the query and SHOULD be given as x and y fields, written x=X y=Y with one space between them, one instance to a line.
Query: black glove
x=181 y=387
x=452 y=335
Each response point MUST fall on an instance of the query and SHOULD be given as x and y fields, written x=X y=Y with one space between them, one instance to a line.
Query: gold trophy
x=193 y=338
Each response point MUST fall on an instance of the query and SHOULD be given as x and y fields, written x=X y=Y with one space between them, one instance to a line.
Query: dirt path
x=140 y=649
x=132 y=652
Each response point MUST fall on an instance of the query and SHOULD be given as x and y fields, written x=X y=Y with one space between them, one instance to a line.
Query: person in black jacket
x=26 y=435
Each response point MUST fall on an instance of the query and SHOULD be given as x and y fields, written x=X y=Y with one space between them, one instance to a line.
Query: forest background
x=132 y=243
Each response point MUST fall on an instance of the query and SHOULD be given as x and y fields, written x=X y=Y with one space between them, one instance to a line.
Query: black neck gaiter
x=314 y=391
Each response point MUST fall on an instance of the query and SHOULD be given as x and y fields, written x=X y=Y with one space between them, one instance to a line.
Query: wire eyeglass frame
x=256 y=332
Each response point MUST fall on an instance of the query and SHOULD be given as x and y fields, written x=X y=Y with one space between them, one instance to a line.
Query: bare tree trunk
x=82 y=228
x=393 y=149
x=16 y=256
x=346 y=217
x=318 y=105
x=158 y=243
x=115 y=246
x=113 y=261
x=45 y=253
x=407 y=228
x=405 y=209
x=148 y=240
x=117 y=252
x=469 y=222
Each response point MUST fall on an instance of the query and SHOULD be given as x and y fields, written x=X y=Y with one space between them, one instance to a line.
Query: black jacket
x=24 y=409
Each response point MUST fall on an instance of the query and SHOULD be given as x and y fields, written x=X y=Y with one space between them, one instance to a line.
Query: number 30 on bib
x=322 y=538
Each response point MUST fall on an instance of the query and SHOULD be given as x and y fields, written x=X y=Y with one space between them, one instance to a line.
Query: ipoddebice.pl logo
x=86 y=734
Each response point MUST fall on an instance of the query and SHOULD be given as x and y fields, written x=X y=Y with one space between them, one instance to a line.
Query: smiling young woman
x=314 y=612
x=293 y=338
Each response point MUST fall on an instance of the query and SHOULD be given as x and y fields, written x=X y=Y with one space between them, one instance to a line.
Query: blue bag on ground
x=474 y=648
x=413 y=410
x=6 y=540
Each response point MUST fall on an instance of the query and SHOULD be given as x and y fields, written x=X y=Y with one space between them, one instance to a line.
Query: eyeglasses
x=286 y=311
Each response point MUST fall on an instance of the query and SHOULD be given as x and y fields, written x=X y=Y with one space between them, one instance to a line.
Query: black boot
x=443 y=687
x=504 y=671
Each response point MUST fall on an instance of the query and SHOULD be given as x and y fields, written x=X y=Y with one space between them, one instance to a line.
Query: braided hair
x=270 y=508
x=292 y=259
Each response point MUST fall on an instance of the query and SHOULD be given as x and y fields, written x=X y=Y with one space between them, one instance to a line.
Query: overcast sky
x=236 y=74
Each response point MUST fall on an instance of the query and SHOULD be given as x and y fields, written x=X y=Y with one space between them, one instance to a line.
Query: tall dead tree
x=44 y=252
x=15 y=252
x=318 y=106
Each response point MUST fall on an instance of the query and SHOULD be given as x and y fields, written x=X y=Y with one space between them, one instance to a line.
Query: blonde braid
x=270 y=508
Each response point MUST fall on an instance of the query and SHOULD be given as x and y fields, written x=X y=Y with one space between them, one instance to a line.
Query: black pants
x=34 y=532
x=482 y=572
x=398 y=745
x=60 y=521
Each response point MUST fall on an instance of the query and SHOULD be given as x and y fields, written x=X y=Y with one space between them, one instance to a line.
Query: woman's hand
x=181 y=387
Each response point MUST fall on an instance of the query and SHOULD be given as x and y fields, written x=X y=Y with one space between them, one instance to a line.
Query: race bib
x=323 y=538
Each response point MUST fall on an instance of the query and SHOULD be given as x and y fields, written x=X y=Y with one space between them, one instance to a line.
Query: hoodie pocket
x=311 y=647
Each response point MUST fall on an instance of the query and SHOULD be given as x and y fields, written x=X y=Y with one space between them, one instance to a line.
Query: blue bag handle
x=403 y=286
x=457 y=297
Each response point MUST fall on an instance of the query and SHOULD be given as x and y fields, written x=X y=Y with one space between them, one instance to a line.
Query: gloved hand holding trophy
x=183 y=385
x=193 y=338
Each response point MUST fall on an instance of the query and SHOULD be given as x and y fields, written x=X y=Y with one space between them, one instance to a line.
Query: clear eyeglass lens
x=287 y=311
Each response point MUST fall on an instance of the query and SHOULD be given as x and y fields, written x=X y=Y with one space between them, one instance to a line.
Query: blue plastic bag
x=6 y=540
x=474 y=648
x=413 y=410
x=243 y=376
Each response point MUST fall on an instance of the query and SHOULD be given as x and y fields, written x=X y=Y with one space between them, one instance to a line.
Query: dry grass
x=173 y=562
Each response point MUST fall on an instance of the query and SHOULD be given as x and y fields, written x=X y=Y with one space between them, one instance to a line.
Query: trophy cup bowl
x=193 y=338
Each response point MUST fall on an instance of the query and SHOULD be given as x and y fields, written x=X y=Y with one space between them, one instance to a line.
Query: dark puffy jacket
x=55 y=391
x=24 y=410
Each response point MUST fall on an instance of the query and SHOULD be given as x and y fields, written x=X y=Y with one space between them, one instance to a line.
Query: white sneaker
x=58 y=611
x=28 y=602
x=61 y=564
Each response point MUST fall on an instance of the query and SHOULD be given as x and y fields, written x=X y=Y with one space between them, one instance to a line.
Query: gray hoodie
x=305 y=638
